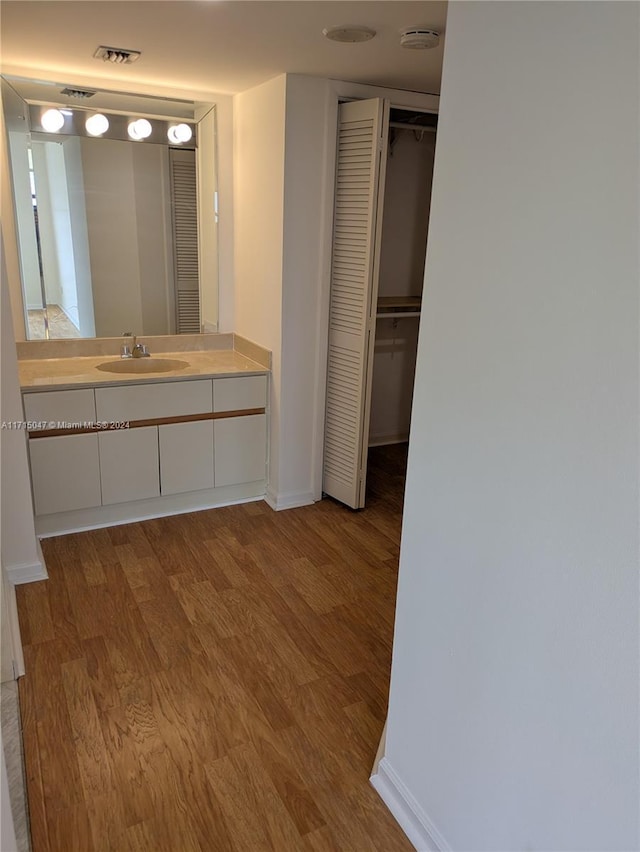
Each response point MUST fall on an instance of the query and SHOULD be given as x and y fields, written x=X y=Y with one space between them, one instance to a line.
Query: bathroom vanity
x=113 y=441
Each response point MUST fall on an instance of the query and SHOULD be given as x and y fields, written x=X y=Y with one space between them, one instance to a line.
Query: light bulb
x=97 y=124
x=139 y=129
x=52 y=120
x=178 y=133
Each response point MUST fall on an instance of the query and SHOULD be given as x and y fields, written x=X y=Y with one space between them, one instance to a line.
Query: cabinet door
x=186 y=456
x=65 y=473
x=240 y=449
x=354 y=287
x=129 y=464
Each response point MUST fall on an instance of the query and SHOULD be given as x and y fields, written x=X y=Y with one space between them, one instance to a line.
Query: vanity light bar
x=66 y=121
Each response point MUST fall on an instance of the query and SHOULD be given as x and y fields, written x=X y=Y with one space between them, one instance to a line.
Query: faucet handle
x=129 y=341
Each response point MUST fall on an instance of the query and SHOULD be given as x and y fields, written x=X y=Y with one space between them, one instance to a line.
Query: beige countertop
x=75 y=372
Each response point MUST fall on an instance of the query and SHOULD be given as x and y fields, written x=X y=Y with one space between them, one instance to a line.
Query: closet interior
x=405 y=222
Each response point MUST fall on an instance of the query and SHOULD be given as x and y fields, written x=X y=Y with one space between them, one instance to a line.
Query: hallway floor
x=215 y=681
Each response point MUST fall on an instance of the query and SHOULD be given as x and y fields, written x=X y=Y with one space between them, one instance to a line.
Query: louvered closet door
x=354 y=287
x=185 y=239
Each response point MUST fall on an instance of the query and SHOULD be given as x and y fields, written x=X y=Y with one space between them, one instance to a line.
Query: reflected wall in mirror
x=109 y=230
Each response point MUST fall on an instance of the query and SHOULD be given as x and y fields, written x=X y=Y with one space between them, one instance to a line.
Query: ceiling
x=201 y=47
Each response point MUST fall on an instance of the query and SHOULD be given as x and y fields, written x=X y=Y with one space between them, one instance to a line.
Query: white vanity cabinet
x=118 y=453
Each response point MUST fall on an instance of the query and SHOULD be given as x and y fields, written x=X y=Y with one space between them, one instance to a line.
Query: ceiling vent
x=77 y=93
x=117 y=55
x=417 y=38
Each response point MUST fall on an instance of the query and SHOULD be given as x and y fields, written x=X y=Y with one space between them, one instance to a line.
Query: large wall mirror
x=116 y=218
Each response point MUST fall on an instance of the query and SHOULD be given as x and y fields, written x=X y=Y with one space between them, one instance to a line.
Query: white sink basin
x=143 y=365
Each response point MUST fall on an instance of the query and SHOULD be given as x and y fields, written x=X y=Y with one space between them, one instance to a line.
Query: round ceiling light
x=96 y=124
x=349 y=35
x=52 y=120
x=417 y=38
x=139 y=129
x=179 y=133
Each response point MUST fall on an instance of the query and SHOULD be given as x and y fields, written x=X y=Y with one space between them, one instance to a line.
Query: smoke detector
x=117 y=55
x=417 y=38
x=349 y=35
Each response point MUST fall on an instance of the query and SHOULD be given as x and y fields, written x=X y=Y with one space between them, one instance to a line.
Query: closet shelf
x=393 y=307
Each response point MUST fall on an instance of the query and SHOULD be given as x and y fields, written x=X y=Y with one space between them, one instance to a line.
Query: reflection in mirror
x=107 y=229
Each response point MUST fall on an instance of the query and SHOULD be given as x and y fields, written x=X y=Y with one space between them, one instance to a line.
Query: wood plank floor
x=215 y=681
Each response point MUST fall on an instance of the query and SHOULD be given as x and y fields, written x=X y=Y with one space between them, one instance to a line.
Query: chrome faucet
x=140 y=351
x=131 y=349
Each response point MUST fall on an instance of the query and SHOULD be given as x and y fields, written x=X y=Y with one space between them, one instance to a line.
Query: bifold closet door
x=362 y=132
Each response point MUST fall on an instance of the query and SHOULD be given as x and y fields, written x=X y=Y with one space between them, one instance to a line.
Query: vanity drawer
x=149 y=402
x=69 y=406
x=239 y=393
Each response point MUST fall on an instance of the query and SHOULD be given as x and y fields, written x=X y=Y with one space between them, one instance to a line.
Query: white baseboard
x=27 y=572
x=293 y=500
x=14 y=629
x=408 y=813
x=114 y=514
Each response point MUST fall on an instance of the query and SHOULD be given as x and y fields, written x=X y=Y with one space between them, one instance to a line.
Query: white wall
x=282 y=252
x=309 y=184
x=8 y=842
x=513 y=719
x=259 y=132
x=19 y=547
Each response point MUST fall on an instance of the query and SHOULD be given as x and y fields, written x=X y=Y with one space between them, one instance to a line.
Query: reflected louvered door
x=185 y=239
x=362 y=125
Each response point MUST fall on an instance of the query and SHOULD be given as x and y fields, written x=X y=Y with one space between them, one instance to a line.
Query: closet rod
x=406 y=126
